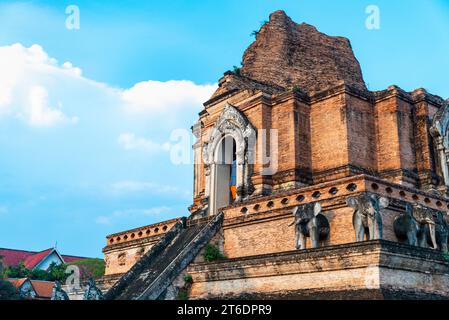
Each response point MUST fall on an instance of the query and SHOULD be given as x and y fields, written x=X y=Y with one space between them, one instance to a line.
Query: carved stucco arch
x=233 y=123
x=440 y=134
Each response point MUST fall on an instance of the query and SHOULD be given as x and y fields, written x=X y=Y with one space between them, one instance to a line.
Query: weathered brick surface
x=329 y=135
x=374 y=266
x=121 y=260
x=361 y=133
x=287 y=54
x=124 y=249
x=259 y=237
x=284 y=122
x=388 y=152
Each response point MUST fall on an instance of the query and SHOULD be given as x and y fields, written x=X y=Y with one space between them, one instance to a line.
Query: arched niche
x=231 y=125
x=225 y=172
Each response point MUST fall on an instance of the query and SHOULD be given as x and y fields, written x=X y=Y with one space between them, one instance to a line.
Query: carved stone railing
x=157 y=249
x=154 y=230
x=183 y=259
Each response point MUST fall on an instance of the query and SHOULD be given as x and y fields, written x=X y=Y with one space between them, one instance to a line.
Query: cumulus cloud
x=170 y=96
x=69 y=66
x=129 y=141
x=24 y=78
x=40 y=91
x=40 y=113
x=96 y=125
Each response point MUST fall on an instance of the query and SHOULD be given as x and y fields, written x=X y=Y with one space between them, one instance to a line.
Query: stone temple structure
x=309 y=185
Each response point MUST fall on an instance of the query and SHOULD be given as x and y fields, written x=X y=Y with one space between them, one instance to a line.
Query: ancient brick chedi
x=310 y=185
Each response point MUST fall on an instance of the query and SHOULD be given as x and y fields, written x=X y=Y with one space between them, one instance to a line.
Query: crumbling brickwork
x=288 y=55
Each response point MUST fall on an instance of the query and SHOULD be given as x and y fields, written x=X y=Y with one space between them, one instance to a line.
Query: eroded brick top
x=290 y=55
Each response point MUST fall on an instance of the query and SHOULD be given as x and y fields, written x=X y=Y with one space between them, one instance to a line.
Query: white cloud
x=170 y=96
x=129 y=141
x=40 y=114
x=35 y=88
x=24 y=78
x=132 y=213
x=69 y=66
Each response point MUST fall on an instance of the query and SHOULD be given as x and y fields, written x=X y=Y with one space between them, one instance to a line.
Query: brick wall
x=368 y=270
x=121 y=260
x=329 y=136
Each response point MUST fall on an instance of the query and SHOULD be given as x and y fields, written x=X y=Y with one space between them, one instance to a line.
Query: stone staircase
x=157 y=269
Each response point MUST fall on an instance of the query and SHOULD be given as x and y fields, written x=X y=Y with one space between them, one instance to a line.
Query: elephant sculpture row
x=417 y=226
x=367 y=220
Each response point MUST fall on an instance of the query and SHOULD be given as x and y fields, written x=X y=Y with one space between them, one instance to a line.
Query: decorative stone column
x=197 y=130
x=440 y=134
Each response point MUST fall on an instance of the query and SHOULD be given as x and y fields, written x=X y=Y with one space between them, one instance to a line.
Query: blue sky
x=86 y=115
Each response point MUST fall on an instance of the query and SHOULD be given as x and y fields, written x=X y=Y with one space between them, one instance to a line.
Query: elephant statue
x=367 y=218
x=407 y=227
x=442 y=231
x=309 y=222
x=416 y=225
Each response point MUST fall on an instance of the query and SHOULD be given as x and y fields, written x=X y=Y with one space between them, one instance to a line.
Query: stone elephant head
x=367 y=219
x=310 y=222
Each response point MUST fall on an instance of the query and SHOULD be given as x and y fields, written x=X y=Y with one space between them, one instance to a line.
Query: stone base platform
x=366 y=270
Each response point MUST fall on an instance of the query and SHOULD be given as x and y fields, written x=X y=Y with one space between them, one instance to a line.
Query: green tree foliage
x=212 y=253
x=183 y=295
x=90 y=268
x=17 y=272
x=8 y=291
x=57 y=272
x=38 y=274
x=254 y=33
x=188 y=278
x=54 y=272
